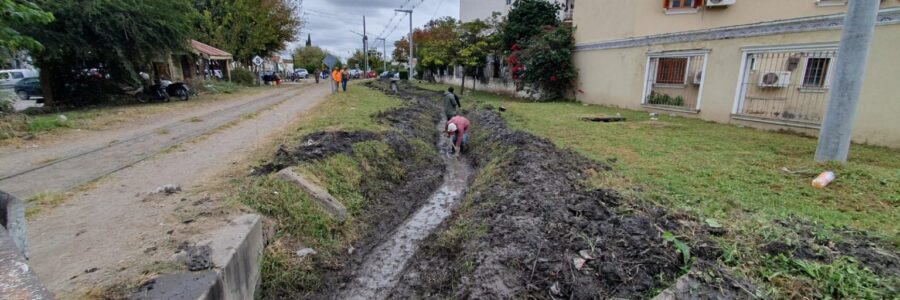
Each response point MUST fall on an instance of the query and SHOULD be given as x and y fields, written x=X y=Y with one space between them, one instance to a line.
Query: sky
x=331 y=22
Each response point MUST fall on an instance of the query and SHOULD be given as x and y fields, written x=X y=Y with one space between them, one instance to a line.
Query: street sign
x=329 y=61
x=257 y=60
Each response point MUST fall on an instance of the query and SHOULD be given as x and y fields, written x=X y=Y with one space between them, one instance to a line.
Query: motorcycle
x=155 y=92
x=179 y=90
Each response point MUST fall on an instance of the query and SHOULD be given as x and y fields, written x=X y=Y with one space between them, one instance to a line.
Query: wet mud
x=816 y=243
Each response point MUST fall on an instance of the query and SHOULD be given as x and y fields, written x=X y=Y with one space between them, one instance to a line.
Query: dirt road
x=84 y=157
x=112 y=231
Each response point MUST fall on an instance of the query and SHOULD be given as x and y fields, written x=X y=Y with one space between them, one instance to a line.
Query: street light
x=409 y=11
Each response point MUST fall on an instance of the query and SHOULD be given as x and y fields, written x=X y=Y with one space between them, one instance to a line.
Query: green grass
x=725 y=173
x=348 y=111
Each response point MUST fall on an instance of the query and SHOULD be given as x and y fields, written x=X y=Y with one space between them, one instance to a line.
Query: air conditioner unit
x=716 y=3
x=698 y=78
x=775 y=79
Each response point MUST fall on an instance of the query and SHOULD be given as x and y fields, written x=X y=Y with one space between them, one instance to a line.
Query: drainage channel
x=381 y=268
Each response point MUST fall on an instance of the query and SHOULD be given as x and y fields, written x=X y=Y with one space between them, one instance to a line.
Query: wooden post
x=228 y=69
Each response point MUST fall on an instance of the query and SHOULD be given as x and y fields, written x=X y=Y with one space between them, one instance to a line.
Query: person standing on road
x=458 y=130
x=336 y=80
x=345 y=76
x=316 y=75
x=451 y=103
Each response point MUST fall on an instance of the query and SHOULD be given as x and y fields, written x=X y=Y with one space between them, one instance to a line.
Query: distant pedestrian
x=336 y=80
x=316 y=75
x=458 y=129
x=345 y=76
x=451 y=103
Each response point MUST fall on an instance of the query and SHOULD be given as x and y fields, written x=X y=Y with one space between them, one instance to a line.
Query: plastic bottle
x=823 y=179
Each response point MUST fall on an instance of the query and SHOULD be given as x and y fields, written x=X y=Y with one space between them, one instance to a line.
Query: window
x=18 y=75
x=672 y=70
x=816 y=73
x=4 y=76
x=682 y=4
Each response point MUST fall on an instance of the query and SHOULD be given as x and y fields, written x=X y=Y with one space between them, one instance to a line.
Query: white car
x=355 y=73
x=302 y=73
x=9 y=78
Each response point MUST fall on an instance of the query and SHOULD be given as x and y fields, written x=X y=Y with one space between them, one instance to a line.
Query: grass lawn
x=105 y=116
x=742 y=177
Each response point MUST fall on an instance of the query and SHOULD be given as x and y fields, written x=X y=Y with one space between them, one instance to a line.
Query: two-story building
x=759 y=63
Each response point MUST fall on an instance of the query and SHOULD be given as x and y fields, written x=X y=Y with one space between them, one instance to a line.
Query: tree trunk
x=46 y=87
x=462 y=87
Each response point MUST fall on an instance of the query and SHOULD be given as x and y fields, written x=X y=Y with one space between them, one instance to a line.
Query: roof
x=209 y=51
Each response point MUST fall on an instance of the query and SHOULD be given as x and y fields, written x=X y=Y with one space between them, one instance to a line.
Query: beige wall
x=616 y=77
x=601 y=20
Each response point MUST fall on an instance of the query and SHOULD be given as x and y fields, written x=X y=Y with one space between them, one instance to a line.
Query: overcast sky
x=330 y=22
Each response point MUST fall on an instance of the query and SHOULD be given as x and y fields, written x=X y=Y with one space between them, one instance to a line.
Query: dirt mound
x=540 y=233
x=814 y=242
x=315 y=146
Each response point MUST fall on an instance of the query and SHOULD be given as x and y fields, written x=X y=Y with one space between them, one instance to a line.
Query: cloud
x=331 y=23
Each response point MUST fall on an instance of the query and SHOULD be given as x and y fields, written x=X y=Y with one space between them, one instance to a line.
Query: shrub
x=243 y=77
x=548 y=60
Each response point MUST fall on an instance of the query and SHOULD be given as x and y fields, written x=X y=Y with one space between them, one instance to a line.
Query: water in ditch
x=381 y=268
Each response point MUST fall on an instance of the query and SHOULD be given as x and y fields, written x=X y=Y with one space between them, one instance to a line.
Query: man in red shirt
x=458 y=129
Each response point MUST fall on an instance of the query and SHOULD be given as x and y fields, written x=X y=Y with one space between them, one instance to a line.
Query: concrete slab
x=317 y=193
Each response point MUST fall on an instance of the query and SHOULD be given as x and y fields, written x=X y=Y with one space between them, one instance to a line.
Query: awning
x=209 y=52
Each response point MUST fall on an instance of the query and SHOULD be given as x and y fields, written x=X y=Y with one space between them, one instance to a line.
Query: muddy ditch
x=529 y=227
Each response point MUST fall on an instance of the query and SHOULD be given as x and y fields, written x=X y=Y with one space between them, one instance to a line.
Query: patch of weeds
x=842 y=278
x=341 y=176
x=162 y=131
x=38 y=202
x=680 y=247
x=195 y=119
x=48 y=123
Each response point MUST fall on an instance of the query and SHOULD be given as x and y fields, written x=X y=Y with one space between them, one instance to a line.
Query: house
x=762 y=63
x=203 y=62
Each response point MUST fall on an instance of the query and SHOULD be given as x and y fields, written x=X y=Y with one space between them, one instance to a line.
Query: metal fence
x=787 y=86
x=675 y=81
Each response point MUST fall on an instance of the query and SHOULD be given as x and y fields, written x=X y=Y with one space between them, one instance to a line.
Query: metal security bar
x=675 y=81
x=787 y=86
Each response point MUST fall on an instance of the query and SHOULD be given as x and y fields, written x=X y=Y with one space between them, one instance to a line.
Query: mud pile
x=541 y=233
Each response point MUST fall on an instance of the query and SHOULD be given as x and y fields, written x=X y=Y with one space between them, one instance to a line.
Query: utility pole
x=409 y=63
x=850 y=68
x=365 y=49
x=383 y=52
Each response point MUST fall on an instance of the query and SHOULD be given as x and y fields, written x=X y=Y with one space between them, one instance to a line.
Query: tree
x=526 y=19
x=437 y=44
x=309 y=58
x=20 y=14
x=308 y=40
x=357 y=59
x=119 y=37
x=247 y=28
x=548 y=59
x=476 y=44
x=401 y=50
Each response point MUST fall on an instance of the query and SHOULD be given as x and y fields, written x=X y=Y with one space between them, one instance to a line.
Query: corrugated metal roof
x=209 y=51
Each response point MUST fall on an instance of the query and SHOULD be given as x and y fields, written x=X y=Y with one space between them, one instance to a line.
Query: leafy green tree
x=476 y=43
x=20 y=14
x=309 y=58
x=548 y=61
x=437 y=45
x=247 y=28
x=120 y=37
x=356 y=60
x=526 y=19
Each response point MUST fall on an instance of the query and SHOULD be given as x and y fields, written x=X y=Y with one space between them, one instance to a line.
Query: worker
x=336 y=78
x=458 y=130
x=451 y=103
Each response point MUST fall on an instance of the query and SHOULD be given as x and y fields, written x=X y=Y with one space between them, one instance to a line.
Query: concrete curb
x=317 y=193
x=236 y=252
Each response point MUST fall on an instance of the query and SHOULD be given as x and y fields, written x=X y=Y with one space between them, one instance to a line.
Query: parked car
x=355 y=73
x=386 y=75
x=372 y=74
x=9 y=78
x=28 y=88
x=301 y=73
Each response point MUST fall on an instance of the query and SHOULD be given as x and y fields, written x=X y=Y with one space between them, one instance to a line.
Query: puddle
x=381 y=268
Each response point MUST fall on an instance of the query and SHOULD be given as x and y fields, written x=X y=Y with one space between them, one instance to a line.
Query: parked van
x=9 y=78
